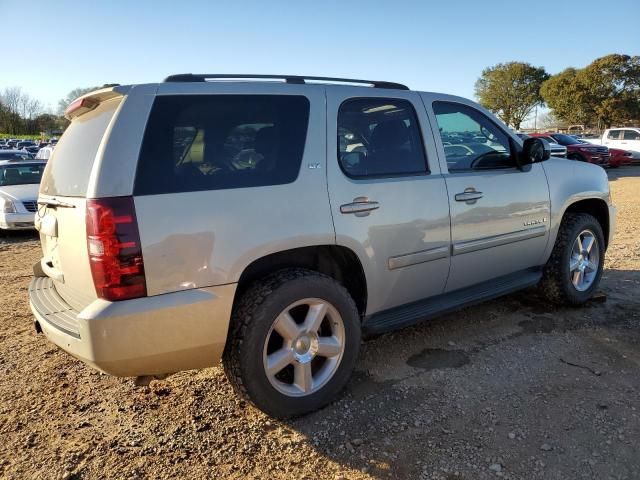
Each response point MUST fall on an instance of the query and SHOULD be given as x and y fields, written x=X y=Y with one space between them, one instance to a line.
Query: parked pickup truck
x=271 y=224
x=627 y=138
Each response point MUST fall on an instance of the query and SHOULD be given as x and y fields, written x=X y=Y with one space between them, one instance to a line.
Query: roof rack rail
x=296 y=79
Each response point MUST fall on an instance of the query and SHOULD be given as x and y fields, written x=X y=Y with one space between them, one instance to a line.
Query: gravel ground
x=512 y=388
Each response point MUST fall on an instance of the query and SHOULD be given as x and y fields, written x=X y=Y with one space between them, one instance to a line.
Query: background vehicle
x=273 y=223
x=623 y=138
x=576 y=150
x=557 y=150
x=44 y=153
x=15 y=155
x=19 y=182
x=619 y=158
x=24 y=144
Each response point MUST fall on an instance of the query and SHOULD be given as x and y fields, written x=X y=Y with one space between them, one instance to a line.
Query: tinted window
x=565 y=139
x=630 y=135
x=613 y=134
x=379 y=137
x=471 y=141
x=15 y=156
x=68 y=170
x=22 y=174
x=197 y=142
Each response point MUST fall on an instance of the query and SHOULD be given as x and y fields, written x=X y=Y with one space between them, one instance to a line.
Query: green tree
x=46 y=122
x=511 y=90
x=605 y=92
x=567 y=97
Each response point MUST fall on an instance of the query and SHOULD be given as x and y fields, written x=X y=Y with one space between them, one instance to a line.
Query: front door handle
x=361 y=207
x=469 y=195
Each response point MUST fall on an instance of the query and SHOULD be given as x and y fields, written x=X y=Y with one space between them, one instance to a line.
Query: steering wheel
x=476 y=160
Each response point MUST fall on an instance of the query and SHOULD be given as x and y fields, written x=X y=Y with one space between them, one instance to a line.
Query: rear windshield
x=15 y=156
x=565 y=139
x=68 y=170
x=20 y=174
x=214 y=142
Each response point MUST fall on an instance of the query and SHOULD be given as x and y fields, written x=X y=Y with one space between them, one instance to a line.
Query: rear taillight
x=114 y=249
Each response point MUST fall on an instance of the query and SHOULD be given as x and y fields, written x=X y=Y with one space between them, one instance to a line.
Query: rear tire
x=293 y=343
x=573 y=271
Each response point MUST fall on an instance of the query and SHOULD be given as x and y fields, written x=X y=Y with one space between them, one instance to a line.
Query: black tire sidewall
x=255 y=380
x=587 y=222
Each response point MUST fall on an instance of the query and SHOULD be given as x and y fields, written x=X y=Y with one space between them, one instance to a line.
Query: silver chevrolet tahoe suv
x=272 y=224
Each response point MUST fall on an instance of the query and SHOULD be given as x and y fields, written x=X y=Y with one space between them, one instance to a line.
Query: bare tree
x=548 y=121
x=11 y=99
x=33 y=108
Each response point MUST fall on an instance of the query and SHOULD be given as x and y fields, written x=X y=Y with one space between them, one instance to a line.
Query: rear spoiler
x=91 y=100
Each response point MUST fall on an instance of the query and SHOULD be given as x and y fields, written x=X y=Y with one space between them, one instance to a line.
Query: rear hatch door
x=61 y=217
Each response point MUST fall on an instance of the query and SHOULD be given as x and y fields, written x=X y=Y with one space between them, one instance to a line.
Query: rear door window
x=630 y=135
x=613 y=134
x=214 y=142
x=68 y=170
x=379 y=137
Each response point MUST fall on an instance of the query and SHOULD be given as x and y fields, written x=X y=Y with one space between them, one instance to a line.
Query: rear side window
x=613 y=134
x=379 y=137
x=214 y=142
x=68 y=170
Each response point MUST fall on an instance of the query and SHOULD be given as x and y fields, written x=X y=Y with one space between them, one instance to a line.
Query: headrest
x=391 y=134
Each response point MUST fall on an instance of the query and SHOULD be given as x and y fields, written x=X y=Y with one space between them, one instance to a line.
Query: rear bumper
x=16 y=221
x=145 y=336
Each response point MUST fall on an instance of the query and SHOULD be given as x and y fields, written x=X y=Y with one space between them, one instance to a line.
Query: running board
x=412 y=313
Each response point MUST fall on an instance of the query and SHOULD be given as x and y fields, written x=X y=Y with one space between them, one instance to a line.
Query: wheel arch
x=596 y=207
x=336 y=261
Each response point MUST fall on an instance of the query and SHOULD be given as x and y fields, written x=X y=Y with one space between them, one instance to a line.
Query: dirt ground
x=512 y=388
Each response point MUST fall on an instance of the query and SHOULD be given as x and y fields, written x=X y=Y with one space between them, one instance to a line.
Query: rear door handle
x=361 y=207
x=468 y=196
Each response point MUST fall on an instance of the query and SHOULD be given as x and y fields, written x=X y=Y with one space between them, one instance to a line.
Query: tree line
x=21 y=114
x=603 y=94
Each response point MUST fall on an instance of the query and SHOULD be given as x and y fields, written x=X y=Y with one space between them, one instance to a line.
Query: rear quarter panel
x=569 y=182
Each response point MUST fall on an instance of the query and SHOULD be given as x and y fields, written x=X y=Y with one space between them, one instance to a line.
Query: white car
x=44 y=153
x=19 y=184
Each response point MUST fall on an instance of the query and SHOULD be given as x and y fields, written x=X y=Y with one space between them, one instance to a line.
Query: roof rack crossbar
x=295 y=79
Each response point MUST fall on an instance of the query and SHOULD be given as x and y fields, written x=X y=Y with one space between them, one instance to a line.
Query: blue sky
x=437 y=46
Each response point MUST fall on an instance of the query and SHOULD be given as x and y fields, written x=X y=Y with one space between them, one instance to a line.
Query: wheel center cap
x=302 y=344
x=305 y=347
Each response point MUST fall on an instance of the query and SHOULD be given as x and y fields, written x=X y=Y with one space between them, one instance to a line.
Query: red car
x=576 y=150
x=619 y=157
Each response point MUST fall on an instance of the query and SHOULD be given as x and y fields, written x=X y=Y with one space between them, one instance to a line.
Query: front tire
x=294 y=342
x=574 y=269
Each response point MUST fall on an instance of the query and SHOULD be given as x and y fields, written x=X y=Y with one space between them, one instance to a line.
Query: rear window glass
x=15 y=156
x=68 y=170
x=214 y=142
x=20 y=174
x=379 y=137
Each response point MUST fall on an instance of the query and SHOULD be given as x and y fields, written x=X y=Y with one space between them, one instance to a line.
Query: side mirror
x=534 y=150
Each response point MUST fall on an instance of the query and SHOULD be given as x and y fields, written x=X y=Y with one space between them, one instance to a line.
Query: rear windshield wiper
x=54 y=202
